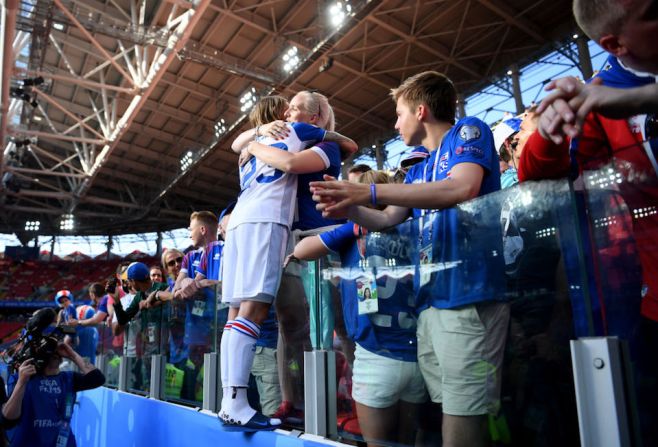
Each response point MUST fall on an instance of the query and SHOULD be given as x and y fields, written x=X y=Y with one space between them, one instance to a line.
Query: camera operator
x=40 y=405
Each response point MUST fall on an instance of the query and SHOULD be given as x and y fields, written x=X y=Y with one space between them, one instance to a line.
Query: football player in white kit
x=254 y=253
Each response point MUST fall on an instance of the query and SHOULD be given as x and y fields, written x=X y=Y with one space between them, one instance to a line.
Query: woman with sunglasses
x=172 y=259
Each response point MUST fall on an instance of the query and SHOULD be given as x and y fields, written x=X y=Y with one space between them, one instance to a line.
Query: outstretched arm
x=464 y=184
x=309 y=248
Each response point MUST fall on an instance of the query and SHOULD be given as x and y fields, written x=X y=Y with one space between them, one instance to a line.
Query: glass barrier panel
x=106 y=347
x=190 y=332
x=138 y=378
x=468 y=307
x=618 y=200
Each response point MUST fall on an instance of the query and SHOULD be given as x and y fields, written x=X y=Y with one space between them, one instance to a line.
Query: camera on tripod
x=34 y=344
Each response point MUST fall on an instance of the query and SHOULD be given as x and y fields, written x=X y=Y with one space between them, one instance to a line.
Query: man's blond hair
x=433 y=89
x=206 y=218
x=599 y=17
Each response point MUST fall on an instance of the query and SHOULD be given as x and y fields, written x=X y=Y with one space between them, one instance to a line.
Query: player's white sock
x=241 y=347
x=223 y=362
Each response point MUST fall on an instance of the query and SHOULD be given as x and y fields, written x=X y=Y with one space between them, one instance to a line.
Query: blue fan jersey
x=391 y=332
x=455 y=234
x=197 y=328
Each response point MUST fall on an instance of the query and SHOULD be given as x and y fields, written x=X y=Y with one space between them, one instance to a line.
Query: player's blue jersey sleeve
x=102 y=307
x=472 y=142
x=339 y=238
x=330 y=154
x=308 y=132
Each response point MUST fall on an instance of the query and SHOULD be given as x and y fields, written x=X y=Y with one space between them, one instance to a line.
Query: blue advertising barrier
x=108 y=418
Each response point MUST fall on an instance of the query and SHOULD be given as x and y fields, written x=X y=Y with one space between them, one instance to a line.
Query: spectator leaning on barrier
x=139 y=280
x=626 y=30
x=388 y=387
x=612 y=118
x=463 y=165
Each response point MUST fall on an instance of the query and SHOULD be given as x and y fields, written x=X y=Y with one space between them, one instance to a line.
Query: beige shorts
x=460 y=353
x=379 y=382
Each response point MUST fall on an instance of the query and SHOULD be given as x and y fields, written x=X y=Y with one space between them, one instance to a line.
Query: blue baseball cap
x=504 y=130
x=137 y=271
x=63 y=294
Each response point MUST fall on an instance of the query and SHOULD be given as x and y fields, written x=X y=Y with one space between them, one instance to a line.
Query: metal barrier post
x=210 y=389
x=123 y=373
x=158 y=366
x=599 y=381
x=320 y=393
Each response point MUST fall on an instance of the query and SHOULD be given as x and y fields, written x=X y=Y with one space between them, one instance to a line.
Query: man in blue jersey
x=41 y=402
x=462 y=325
x=200 y=301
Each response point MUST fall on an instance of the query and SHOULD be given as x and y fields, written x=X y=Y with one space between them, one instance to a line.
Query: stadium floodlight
x=338 y=11
x=291 y=59
x=67 y=223
x=248 y=99
x=32 y=225
x=59 y=26
x=186 y=160
x=220 y=128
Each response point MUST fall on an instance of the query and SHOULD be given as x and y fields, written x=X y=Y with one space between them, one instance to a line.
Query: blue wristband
x=373 y=194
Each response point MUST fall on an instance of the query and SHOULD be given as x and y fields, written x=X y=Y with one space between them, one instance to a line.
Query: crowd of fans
x=405 y=343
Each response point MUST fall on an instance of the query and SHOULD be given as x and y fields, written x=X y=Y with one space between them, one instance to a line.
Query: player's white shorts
x=380 y=382
x=252 y=262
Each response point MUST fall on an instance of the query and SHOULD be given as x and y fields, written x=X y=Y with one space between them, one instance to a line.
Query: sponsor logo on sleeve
x=472 y=151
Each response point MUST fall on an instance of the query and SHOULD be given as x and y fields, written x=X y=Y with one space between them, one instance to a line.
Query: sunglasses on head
x=172 y=262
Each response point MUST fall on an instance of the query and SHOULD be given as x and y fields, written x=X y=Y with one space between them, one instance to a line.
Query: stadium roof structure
x=119 y=114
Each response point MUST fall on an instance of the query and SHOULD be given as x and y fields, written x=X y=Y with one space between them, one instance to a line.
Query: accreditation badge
x=366 y=291
x=198 y=308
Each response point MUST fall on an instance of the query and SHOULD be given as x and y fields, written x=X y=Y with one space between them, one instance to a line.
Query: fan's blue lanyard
x=424 y=224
